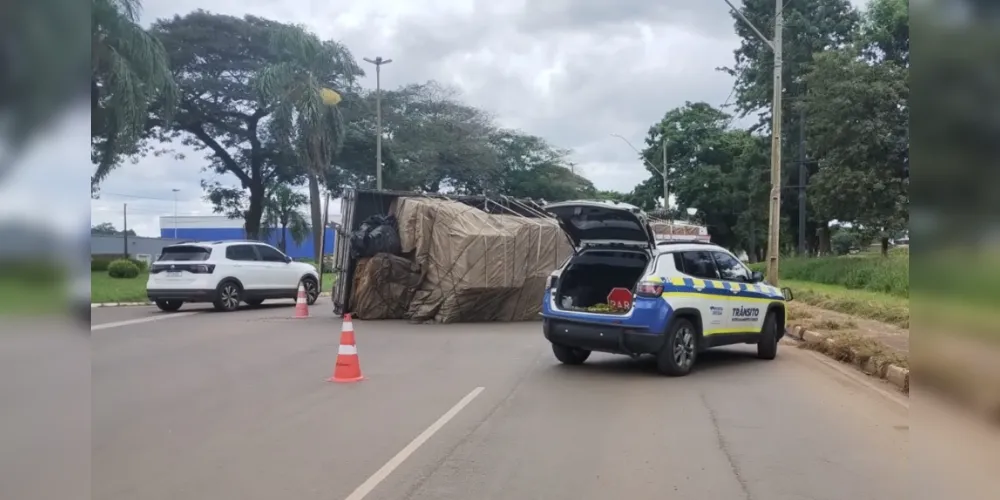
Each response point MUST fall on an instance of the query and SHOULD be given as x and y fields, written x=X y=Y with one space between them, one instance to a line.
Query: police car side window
x=699 y=265
x=730 y=268
x=665 y=264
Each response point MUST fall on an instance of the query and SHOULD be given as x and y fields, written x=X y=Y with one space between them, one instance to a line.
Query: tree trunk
x=885 y=246
x=255 y=212
x=282 y=244
x=824 y=238
x=317 y=216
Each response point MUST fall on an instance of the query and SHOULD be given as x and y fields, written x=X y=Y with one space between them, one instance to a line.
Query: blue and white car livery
x=687 y=296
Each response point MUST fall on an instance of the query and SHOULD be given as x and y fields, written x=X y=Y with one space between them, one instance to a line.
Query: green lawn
x=861 y=303
x=18 y=297
x=104 y=288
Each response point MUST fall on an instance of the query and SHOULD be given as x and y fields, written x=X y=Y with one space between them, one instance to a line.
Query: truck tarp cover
x=384 y=285
x=475 y=266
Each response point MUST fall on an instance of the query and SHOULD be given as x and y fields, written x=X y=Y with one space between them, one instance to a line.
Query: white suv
x=226 y=273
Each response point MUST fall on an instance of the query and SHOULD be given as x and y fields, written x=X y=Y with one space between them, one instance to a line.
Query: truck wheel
x=767 y=346
x=570 y=355
x=169 y=305
x=680 y=350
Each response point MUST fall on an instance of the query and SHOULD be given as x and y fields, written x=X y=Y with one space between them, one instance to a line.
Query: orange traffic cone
x=301 y=304
x=348 y=368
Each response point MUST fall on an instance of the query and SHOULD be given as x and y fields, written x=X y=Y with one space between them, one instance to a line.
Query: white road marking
x=366 y=487
x=116 y=324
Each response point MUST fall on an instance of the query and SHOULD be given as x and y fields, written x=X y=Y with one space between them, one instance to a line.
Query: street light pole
x=774 y=219
x=378 y=62
x=175 y=211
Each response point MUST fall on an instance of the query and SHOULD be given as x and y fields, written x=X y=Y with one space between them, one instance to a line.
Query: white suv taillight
x=648 y=288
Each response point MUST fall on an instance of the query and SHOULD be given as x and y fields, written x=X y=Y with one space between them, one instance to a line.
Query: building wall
x=218 y=228
x=137 y=245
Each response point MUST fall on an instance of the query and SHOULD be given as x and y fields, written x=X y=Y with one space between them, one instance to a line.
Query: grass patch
x=104 y=288
x=20 y=298
x=797 y=314
x=850 y=347
x=866 y=271
x=863 y=304
x=831 y=325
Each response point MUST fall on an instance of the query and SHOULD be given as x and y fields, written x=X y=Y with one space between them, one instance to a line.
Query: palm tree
x=281 y=213
x=306 y=117
x=129 y=70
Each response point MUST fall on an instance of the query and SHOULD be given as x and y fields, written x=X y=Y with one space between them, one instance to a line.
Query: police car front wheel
x=570 y=355
x=767 y=346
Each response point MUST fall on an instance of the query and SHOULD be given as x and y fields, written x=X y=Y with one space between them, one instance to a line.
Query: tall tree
x=129 y=70
x=306 y=118
x=810 y=27
x=859 y=128
x=720 y=171
x=438 y=142
x=529 y=167
x=215 y=60
x=281 y=214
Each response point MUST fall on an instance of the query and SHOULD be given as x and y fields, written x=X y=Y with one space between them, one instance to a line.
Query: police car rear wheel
x=570 y=355
x=767 y=346
x=680 y=351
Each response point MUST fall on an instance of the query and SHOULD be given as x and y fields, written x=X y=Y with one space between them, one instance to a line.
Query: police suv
x=672 y=299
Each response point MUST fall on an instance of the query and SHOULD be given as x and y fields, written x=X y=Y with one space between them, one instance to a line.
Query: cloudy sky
x=571 y=71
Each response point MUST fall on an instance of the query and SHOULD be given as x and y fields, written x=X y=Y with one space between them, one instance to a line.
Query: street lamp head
x=378 y=61
x=386 y=61
x=369 y=60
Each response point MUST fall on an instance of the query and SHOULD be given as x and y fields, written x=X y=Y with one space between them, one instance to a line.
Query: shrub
x=100 y=263
x=844 y=240
x=123 y=269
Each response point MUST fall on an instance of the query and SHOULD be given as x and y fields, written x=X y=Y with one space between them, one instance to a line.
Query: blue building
x=221 y=228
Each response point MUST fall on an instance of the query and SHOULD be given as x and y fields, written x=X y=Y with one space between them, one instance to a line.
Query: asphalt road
x=235 y=406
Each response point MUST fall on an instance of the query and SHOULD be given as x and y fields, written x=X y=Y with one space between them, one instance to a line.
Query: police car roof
x=685 y=246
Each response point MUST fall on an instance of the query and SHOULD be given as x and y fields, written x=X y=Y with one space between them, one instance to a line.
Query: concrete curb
x=896 y=375
x=134 y=304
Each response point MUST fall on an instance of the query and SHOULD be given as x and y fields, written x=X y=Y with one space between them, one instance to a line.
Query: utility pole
x=666 y=188
x=125 y=229
x=803 y=173
x=378 y=62
x=774 y=219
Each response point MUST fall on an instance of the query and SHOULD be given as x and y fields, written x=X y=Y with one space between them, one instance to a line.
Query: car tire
x=312 y=290
x=169 y=305
x=254 y=302
x=227 y=296
x=570 y=355
x=767 y=346
x=680 y=350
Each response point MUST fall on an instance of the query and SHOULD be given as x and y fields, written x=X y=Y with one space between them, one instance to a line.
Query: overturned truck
x=457 y=259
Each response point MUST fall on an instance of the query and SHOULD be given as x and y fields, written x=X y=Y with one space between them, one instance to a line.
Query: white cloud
x=572 y=71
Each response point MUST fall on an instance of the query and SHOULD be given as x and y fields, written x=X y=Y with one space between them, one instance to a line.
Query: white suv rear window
x=185 y=253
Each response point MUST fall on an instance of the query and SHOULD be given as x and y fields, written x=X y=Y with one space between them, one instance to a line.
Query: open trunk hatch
x=590 y=277
x=600 y=222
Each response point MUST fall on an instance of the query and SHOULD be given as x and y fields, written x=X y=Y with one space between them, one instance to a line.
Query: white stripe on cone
x=348 y=327
x=301 y=298
x=348 y=350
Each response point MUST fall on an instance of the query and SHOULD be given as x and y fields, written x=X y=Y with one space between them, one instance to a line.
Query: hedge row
x=100 y=263
x=874 y=273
